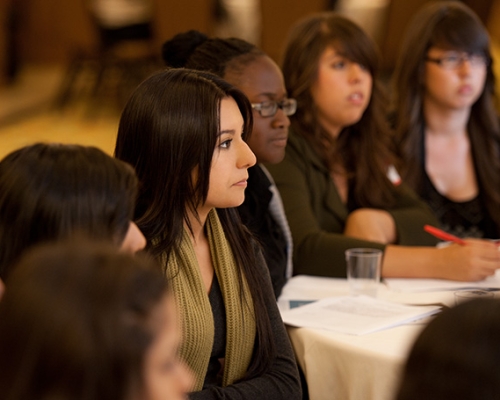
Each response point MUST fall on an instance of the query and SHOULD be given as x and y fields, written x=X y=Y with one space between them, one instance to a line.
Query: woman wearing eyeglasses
x=249 y=69
x=337 y=181
x=446 y=124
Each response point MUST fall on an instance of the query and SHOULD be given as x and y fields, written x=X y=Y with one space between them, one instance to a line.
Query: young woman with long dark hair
x=248 y=68
x=185 y=133
x=446 y=123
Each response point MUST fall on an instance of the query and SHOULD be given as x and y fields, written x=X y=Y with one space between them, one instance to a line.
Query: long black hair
x=448 y=25
x=168 y=129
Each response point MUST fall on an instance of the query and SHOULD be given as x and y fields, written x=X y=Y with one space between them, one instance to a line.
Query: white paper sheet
x=432 y=285
x=355 y=315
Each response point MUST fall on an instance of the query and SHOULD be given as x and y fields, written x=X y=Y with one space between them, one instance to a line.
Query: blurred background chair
x=124 y=54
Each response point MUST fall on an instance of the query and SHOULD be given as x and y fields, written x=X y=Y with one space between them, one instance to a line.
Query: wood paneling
x=277 y=18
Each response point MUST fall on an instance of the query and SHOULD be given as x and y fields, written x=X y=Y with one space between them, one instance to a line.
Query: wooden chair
x=110 y=70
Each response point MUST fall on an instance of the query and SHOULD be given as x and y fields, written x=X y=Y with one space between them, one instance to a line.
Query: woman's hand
x=474 y=261
x=371 y=224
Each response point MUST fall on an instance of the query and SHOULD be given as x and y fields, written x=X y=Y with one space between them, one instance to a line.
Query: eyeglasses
x=270 y=108
x=454 y=60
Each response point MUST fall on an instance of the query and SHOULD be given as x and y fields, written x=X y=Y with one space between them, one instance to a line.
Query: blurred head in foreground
x=457 y=356
x=53 y=191
x=84 y=321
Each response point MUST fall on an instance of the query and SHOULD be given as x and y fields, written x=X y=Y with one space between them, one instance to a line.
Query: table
x=346 y=367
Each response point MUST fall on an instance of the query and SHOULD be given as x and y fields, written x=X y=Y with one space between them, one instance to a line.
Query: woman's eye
x=226 y=144
x=267 y=106
x=338 y=64
x=451 y=58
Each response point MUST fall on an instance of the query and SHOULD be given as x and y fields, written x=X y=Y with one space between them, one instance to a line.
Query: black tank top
x=463 y=219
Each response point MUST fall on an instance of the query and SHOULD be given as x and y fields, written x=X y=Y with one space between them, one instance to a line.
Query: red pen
x=440 y=234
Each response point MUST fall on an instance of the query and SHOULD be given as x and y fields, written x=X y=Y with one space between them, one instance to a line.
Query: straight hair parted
x=363 y=149
x=52 y=191
x=77 y=321
x=168 y=129
x=448 y=25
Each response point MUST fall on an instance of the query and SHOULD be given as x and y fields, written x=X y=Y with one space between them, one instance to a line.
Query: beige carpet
x=53 y=127
x=27 y=114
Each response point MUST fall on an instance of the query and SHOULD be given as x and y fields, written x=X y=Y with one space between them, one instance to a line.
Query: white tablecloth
x=346 y=367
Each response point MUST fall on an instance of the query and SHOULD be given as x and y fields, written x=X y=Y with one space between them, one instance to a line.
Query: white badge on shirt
x=393 y=175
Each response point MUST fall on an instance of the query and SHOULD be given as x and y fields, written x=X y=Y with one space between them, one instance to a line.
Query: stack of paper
x=355 y=315
x=428 y=285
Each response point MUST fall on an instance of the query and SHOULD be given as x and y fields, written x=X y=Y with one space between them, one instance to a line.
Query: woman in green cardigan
x=337 y=181
x=185 y=133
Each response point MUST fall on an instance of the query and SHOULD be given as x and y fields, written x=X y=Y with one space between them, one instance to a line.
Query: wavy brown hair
x=362 y=149
x=77 y=321
x=448 y=25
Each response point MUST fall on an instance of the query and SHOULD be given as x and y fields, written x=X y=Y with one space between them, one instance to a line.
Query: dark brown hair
x=51 y=191
x=195 y=50
x=456 y=356
x=76 y=322
x=447 y=25
x=363 y=148
x=169 y=128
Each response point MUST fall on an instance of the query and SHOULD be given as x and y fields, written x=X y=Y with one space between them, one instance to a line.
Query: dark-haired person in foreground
x=82 y=321
x=456 y=356
x=50 y=192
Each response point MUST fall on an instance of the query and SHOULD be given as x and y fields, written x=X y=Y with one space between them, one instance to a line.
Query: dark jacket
x=256 y=216
x=317 y=216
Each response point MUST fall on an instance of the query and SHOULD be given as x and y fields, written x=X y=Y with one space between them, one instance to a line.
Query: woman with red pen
x=440 y=234
x=338 y=188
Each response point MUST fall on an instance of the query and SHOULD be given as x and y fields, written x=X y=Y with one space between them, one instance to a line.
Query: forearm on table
x=412 y=262
x=372 y=225
x=322 y=253
x=402 y=226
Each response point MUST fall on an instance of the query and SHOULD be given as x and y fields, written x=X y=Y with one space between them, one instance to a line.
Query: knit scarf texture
x=195 y=311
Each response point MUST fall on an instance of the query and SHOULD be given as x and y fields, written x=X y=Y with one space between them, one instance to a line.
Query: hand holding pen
x=440 y=234
x=472 y=260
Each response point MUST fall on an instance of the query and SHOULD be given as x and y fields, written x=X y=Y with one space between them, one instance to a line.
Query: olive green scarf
x=196 y=313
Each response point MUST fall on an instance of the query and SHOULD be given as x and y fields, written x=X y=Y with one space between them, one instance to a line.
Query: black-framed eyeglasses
x=453 y=60
x=270 y=108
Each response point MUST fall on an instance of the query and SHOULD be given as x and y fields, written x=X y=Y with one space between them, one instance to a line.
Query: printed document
x=355 y=315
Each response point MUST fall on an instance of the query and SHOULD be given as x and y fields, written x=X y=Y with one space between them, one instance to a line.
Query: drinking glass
x=363 y=270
